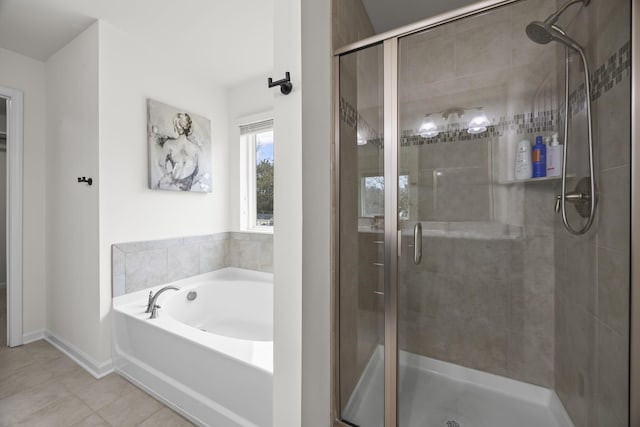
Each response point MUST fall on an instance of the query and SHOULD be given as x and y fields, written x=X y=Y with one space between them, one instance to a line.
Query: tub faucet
x=154 y=297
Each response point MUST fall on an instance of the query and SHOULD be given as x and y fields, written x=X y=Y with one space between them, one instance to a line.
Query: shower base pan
x=441 y=394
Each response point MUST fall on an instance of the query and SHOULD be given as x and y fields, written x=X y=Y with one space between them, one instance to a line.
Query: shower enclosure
x=461 y=299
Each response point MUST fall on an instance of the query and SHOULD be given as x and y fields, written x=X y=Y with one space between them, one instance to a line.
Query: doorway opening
x=11 y=148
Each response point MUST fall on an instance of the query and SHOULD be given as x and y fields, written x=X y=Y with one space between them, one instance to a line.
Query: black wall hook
x=285 y=84
x=85 y=179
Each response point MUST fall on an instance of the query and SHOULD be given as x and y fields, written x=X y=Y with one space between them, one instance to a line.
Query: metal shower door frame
x=390 y=42
x=634 y=306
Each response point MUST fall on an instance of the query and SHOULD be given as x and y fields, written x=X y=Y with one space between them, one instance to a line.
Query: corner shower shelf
x=543 y=179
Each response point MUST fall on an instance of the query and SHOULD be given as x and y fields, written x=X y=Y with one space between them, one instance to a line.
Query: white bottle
x=554 y=157
x=523 y=168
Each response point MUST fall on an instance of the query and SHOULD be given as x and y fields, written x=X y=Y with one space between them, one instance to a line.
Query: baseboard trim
x=32 y=336
x=98 y=370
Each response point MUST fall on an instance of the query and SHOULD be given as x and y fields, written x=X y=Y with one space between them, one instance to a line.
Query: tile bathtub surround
x=141 y=265
x=40 y=386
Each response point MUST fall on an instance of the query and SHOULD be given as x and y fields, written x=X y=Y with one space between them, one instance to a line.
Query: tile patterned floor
x=40 y=386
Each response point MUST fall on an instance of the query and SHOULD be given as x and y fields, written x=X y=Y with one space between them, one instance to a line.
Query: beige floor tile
x=105 y=391
x=20 y=405
x=62 y=366
x=93 y=420
x=23 y=379
x=12 y=360
x=42 y=351
x=61 y=413
x=77 y=383
x=131 y=409
x=165 y=417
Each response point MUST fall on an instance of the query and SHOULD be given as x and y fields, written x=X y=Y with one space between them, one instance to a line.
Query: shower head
x=547 y=31
x=543 y=33
x=539 y=32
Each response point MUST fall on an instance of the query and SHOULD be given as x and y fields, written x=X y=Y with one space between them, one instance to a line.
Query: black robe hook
x=285 y=84
x=85 y=179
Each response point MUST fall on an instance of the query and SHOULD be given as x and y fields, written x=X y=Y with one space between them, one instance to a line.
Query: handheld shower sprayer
x=544 y=32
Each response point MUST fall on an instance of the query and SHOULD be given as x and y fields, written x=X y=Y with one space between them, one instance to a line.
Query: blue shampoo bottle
x=539 y=158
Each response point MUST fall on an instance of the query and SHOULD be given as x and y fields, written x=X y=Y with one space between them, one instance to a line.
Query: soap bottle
x=554 y=157
x=539 y=158
x=523 y=160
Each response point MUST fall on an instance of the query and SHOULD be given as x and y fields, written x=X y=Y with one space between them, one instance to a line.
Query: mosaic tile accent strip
x=603 y=79
x=350 y=116
x=523 y=123
x=608 y=75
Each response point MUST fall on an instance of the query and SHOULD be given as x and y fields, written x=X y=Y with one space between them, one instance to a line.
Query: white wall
x=316 y=209
x=72 y=208
x=28 y=75
x=287 y=253
x=129 y=74
x=247 y=99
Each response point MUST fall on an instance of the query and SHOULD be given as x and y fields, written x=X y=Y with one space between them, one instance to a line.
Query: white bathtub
x=211 y=358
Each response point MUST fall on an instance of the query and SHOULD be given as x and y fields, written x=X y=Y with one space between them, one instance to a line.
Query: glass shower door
x=476 y=271
x=362 y=238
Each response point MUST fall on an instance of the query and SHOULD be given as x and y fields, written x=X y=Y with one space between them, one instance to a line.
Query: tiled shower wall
x=592 y=271
x=350 y=22
x=141 y=265
x=483 y=296
x=528 y=301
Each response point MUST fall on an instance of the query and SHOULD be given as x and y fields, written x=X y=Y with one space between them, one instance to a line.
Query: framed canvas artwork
x=179 y=149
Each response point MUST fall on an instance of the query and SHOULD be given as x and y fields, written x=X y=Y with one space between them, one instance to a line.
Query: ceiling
x=386 y=15
x=228 y=40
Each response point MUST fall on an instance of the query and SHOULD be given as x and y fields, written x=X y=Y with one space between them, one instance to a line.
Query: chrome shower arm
x=556 y=15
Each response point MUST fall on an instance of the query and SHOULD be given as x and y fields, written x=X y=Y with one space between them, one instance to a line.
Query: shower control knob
x=580 y=197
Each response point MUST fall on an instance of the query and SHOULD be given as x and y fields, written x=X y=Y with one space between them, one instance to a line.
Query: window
x=257 y=175
x=372 y=196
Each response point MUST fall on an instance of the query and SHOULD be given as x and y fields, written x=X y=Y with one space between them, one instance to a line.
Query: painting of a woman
x=180 y=156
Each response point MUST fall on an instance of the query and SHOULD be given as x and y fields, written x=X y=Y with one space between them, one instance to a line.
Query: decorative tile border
x=603 y=79
x=354 y=120
x=141 y=265
x=608 y=75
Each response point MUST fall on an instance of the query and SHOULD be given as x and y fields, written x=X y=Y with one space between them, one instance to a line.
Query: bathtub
x=210 y=358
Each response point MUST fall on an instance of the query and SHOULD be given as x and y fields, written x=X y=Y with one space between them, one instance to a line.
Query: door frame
x=15 y=137
x=390 y=39
x=634 y=306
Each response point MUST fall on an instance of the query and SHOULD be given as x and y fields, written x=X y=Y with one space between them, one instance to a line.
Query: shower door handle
x=417 y=243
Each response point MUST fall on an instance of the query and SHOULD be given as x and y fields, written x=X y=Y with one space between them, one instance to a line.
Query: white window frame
x=248 y=217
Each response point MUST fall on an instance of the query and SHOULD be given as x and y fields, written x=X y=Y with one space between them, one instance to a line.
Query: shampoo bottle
x=539 y=158
x=523 y=160
x=554 y=157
